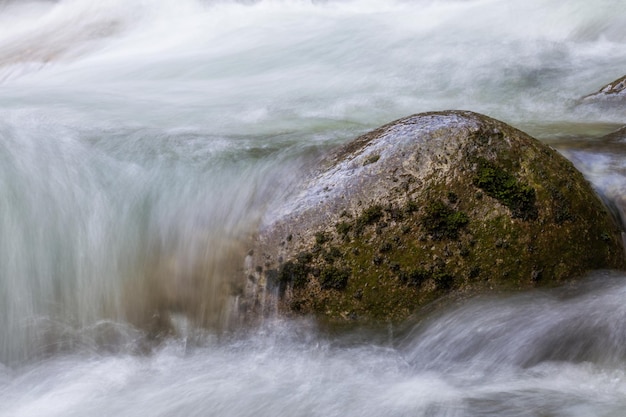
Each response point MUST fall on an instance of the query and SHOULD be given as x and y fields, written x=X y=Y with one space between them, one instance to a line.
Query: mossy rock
x=430 y=205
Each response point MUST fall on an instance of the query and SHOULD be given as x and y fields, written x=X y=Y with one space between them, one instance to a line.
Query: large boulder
x=424 y=206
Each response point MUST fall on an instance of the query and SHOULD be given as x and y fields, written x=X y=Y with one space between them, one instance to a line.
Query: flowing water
x=142 y=141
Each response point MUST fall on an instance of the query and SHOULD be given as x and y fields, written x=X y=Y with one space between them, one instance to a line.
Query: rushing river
x=142 y=141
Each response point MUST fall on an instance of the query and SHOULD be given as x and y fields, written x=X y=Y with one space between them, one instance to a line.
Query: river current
x=142 y=141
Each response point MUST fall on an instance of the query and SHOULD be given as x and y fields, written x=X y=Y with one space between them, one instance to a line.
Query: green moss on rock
x=504 y=187
x=343 y=228
x=442 y=222
x=334 y=278
x=295 y=272
x=370 y=216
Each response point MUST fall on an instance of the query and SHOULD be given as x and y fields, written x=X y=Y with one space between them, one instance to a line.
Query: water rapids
x=142 y=142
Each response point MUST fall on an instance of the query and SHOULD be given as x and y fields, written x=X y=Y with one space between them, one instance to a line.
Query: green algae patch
x=442 y=222
x=295 y=272
x=332 y=277
x=343 y=228
x=504 y=187
x=369 y=216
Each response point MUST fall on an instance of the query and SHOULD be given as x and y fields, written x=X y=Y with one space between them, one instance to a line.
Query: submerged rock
x=614 y=92
x=602 y=161
x=618 y=136
x=424 y=206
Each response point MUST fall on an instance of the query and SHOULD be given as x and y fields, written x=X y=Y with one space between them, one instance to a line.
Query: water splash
x=508 y=356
